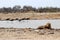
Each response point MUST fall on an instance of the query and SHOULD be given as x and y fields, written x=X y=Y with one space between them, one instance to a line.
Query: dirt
x=29 y=34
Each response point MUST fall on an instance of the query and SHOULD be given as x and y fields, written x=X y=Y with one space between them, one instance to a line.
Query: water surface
x=29 y=23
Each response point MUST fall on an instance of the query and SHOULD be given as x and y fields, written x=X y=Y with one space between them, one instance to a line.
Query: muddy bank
x=45 y=29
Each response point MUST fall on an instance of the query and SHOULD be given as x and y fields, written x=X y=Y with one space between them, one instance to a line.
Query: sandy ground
x=32 y=15
x=29 y=34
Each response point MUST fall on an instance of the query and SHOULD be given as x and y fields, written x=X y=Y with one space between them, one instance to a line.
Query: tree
x=16 y=8
x=27 y=8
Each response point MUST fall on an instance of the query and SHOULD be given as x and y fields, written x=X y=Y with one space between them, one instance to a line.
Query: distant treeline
x=18 y=8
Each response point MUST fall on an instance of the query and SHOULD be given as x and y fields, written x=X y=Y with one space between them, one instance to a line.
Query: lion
x=47 y=26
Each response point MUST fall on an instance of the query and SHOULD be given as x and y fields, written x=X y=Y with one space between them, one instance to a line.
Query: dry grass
x=32 y=15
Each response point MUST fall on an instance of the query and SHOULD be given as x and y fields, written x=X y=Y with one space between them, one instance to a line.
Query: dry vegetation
x=29 y=15
x=29 y=12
